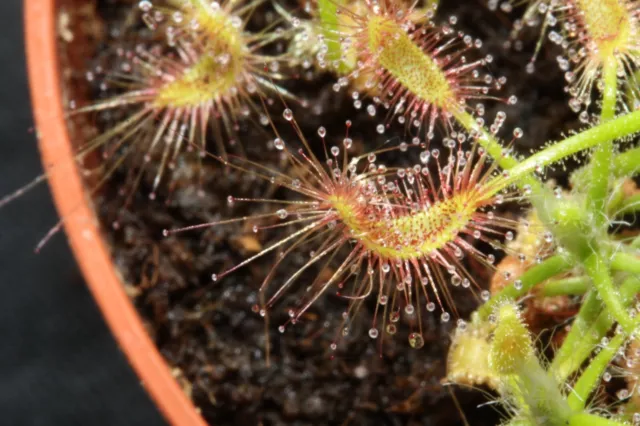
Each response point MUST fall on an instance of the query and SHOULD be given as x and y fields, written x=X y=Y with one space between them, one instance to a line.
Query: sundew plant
x=402 y=228
x=409 y=230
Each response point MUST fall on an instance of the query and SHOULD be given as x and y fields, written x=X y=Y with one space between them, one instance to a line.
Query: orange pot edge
x=81 y=225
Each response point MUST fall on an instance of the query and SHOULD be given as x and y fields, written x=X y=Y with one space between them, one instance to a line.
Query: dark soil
x=207 y=331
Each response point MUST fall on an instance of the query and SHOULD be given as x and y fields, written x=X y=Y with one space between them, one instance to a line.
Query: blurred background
x=59 y=364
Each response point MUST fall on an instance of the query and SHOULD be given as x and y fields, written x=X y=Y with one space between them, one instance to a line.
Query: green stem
x=610 y=92
x=328 y=12
x=615 y=199
x=630 y=289
x=540 y=395
x=520 y=173
x=534 y=275
x=590 y=377
x=625 y=262
x=505 y=161
x=572 y=286
x=601 y=158
x=587 y=331
x=565 y=360
x=611 y=130
x=597 y=268
x=625 y=125
x=629 y=205
x=486 y=140
x=627 y=163
x=586 y=419
x=624 y=164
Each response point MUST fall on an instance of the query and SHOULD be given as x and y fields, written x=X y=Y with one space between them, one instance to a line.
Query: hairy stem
x=571 y=286
x=590 y=378
x=565 y=360
x=587 y=330
x=625 y=125
x=597 y=268
x=615 y=199
x=627 y=163
x=630 y=205
x=520 y=173
x=624 y=164
x=534 y=275
x=328 y=12
x=613 y=129
x=541 y=396
x=626 y=262
x=601 y=158
x=486 y=140
x=586 y=419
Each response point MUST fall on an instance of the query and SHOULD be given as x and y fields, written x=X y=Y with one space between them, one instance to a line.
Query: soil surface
x=207 y=331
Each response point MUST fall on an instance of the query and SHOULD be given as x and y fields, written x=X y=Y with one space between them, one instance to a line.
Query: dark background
x=59 y=364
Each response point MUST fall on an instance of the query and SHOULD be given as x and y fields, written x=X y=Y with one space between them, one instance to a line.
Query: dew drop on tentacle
x=416 y=340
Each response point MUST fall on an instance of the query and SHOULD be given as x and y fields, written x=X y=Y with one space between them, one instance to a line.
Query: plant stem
x=495 y=149
x=613 y=129
x=565 y=360
x=610 y=91
x=625 y=262
x=627 y=163
x=597 y=268
x=587 y=332
x=486 y=140
x=589 y=379
x=615 y=199
x=624 y=164
x=520 y=173
x=625 y=125
x=540 y=394
x=328 y=14
x=586 y=419
x=629 y=205
x=601 y=158
x=566 y=286
x=534 y=275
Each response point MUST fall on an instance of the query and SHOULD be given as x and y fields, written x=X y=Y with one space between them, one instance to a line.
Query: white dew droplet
x=416 y=340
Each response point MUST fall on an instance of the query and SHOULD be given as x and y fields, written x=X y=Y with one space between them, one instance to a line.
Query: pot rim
x=80 y=223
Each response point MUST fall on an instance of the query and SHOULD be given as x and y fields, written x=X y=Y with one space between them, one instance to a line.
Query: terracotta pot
x=81 y=225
